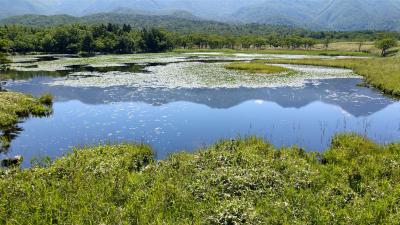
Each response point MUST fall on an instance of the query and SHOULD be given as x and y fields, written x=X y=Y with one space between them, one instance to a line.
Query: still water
x=177 y=119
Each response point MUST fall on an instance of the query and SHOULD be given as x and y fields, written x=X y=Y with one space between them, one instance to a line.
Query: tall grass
x=245 y=181
x=381 y=73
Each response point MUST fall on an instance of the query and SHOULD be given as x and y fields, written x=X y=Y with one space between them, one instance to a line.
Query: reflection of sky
x=174 y=119
x=187 y=126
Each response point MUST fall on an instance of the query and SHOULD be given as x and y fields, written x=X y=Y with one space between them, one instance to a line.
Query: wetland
x=184 y=101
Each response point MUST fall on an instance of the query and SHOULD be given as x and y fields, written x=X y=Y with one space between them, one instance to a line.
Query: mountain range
x=314 y=14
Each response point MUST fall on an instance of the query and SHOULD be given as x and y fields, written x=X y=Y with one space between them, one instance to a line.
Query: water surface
x=175 y=118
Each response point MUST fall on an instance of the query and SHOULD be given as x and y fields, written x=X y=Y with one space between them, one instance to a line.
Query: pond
x=184 y=102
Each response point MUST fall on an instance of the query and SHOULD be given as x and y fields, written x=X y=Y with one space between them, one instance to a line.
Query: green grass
x=280 y=51
x=381 y=73
x=246 y=181
x=14 y=106
x=253 y=67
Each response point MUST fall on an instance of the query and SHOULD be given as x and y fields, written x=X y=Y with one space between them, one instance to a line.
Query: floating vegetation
x=199 y=75
x=27 y=63
x=254 y=67
x=62 y=62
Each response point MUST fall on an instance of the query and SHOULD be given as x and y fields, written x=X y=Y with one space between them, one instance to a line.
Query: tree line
x=72 y=39
x=123 y=39
x=112 y=38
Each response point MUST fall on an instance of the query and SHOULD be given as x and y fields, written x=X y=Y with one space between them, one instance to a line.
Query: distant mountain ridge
x=314 y=14
x=326 y=14
x=177 y=21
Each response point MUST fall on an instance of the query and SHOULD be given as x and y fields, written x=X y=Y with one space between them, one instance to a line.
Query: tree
x=385 y=44
x=126 y=28
x=293 y=42
x=125 y=45
x=360 y=43
x=327 y=41
x=88 y=43
x=4 y=63
x=273 y=41
x=4 y=45
x=309 y=43
x=155 y=40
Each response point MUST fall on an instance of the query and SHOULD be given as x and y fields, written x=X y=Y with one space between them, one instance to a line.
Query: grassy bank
x=316 y=52
x=381 y=73
x=15 y=106
x=254 y=67
x=232 y=182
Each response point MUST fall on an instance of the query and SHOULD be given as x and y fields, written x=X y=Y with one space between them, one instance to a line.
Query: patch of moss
x=253 y=67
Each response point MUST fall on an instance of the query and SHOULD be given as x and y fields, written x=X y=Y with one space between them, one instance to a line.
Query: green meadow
x=381 y=73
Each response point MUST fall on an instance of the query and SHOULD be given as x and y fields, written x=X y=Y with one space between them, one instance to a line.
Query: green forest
x=124 y=39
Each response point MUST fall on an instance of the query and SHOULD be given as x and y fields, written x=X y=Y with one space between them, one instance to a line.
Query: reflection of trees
x=341 y=92
x=7 y=134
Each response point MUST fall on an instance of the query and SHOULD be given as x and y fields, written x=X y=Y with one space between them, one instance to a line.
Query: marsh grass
x=14 y=106
x=258 y=68
x=243 y=181
x=381 y=73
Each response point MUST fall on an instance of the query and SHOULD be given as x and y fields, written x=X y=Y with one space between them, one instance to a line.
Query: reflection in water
x=7 y=135
x=344 y=93
x=24 y=75
x=175 y=119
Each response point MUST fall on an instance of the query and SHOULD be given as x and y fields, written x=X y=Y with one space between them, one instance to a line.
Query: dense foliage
x=169 y=23
x=112 y=38
x=4 y=62
x=232 y=182
x=185 y=25
x=76 y=38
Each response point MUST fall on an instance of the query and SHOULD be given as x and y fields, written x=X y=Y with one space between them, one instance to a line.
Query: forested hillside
x=116 y=38
x=314 y=14
x=169 y=22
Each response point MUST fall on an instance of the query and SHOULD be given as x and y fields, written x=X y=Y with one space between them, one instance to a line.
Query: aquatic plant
x=199 y=75
x=253 y=67
x=46 y=99
x=242 y=181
